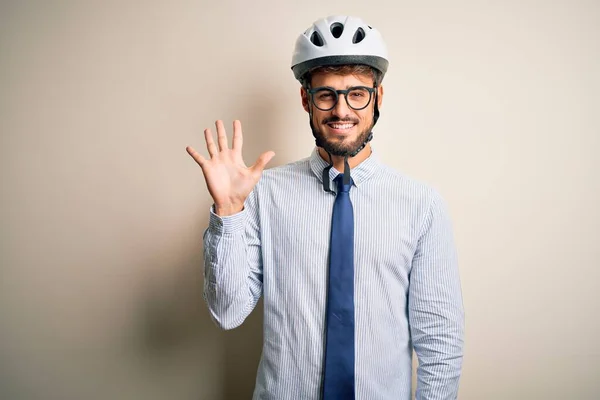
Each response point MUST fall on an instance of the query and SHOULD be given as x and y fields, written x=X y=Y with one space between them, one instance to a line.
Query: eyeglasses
x=325 y=98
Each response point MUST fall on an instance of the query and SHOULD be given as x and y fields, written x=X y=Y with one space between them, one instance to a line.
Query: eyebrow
x=347 y=86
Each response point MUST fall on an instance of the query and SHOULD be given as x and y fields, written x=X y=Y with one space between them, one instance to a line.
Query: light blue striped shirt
x=407 y=285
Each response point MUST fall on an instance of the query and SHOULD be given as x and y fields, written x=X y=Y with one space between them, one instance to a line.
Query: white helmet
x=339 y=40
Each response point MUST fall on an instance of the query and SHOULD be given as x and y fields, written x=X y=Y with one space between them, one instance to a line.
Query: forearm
x=232 y=276
x=438 y=342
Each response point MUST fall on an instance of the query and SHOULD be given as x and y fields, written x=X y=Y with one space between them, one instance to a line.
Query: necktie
x=338 y=383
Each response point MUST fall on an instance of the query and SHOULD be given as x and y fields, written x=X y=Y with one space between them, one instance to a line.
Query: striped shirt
x=407 y=289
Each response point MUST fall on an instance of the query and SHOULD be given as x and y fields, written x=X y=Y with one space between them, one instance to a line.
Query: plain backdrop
x=495 y=104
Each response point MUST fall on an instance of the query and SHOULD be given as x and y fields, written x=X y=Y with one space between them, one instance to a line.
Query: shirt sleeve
x=233 y=265
x=435 y=307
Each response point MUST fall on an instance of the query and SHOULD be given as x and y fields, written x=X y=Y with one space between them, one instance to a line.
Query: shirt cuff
x=227 y=225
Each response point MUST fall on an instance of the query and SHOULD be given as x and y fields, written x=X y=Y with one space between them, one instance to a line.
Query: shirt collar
x=361 y=173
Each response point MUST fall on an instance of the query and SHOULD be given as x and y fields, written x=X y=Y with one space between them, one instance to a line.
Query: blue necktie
x=339 y=348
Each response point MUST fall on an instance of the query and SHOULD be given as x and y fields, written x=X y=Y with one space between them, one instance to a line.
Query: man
x=356 y=262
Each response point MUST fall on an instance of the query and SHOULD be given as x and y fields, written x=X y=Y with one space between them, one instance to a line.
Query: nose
x=341 y=109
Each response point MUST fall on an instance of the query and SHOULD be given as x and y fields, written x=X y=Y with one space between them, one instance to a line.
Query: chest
x=296 y=239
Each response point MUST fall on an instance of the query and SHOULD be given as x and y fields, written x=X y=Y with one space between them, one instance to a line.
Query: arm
x=232 y=256
x=435 y=307
x=232 y=265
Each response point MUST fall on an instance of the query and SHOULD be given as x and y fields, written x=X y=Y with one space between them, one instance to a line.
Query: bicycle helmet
x=339 y=40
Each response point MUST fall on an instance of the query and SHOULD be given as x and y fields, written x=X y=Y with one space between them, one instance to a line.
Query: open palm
x=228 y=179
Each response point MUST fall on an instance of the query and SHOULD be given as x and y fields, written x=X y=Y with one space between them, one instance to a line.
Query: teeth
x=342 y=126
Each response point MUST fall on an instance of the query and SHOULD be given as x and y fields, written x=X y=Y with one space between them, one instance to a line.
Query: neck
x=338 y=162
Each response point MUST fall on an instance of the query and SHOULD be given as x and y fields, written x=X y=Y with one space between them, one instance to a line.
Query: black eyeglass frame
x=345 y=92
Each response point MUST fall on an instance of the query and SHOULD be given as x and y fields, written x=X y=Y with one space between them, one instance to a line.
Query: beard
x=344 y=147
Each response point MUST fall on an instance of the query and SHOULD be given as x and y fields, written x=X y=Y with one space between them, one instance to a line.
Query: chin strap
x=326 y=181
x=346 y=171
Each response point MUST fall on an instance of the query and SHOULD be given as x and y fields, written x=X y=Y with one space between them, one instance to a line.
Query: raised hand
x=228 y=179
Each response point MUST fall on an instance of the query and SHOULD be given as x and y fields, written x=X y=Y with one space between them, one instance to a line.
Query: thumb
x=262 y=162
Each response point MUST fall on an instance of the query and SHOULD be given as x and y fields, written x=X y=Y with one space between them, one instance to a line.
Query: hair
x=349 y=69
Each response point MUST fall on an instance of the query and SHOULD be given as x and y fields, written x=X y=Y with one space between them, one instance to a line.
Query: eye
x=325 y=95
x=357 y=93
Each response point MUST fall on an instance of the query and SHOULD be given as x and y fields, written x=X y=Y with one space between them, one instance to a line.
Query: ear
x=304 y=97
x=379 y=96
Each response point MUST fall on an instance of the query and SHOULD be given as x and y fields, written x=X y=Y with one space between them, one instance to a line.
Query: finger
x=262 y=162
x=195 y=155
x=210 y=143
x=238 y=139
x=221 y=135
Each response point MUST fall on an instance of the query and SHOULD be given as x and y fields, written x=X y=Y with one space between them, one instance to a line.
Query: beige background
x=102 y=211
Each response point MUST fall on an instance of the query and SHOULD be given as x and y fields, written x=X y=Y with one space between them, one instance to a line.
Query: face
x=342 y=129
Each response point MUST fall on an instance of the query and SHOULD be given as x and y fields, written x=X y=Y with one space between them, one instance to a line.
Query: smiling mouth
x=339 y=127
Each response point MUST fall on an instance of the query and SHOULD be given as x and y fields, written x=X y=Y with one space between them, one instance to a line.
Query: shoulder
x=292 y=167
x=423 y=198
x=284 y=177
x=419 y=196
x=282 y=173
x=399 y=181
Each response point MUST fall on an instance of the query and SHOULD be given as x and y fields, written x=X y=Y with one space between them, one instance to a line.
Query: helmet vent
x=316 y=39
x=358 y=36
x=336 y=29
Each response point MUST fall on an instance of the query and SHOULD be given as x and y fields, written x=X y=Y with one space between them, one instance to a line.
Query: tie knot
x=340 y=184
